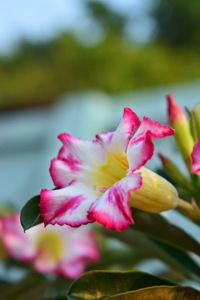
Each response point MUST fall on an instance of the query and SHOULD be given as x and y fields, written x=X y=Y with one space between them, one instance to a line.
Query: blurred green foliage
x=178 y=22
x=40 y=73
x=106 y=18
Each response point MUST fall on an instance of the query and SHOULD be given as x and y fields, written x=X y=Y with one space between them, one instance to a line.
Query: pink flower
x=196 y=158
x=54 y=250
x=96 y=178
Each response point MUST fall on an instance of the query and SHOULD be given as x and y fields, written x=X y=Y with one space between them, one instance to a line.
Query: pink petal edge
x=60 y=173
x=66 y=206
x=153 y=128
x=112 y=210
x=15 y=240
x=139 y=152
x=195 y=156
x=124 y=131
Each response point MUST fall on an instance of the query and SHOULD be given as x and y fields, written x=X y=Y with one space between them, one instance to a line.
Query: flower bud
x=155 y=195
x=171 y=169
x=183 y=135
x=196 y=121
x=175 y=112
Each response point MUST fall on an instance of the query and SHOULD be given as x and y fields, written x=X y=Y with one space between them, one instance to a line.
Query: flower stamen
x=114 y=169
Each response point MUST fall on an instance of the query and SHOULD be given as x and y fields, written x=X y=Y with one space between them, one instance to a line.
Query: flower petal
x=81 y=248
x=67 y=206
x=84 y=242
x=15 y=240
x=154 y=129
x=123 y=133
x=60 y=173
x=77 y=152
x=112 y=210
x=105 y=138
x=196 y=158
x=78 y=248
x=50 y=244
x=76 y=160
x=44 y=263
x=72 y=269
x=139 y=152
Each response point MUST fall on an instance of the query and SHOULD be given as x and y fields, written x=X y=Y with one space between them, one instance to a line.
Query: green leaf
x=28 y=288
x=178 y=259
x=57 y=289
x=162 y=292
x=30 y=213
x=100 y=284
x=154 y=225
x=35 y=286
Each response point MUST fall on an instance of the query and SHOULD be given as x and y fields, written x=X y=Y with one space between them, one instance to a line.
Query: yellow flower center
x=50 y=245
x=114 y=169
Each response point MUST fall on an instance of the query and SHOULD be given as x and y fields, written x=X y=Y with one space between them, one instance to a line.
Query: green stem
x=190 y=210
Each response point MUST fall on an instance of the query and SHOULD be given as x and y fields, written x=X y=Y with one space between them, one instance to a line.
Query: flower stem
x=190 y=210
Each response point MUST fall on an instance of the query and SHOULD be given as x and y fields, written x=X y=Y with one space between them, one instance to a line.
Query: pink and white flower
x=196 y=158
x=95 y=178
x=54 y=250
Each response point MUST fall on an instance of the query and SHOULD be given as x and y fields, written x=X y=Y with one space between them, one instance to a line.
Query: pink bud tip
x=175 y=112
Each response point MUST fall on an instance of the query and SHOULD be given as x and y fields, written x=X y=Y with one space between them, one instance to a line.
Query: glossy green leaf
x=154 y=225
x=159 y=293
x=30 y=213
x=101 y=284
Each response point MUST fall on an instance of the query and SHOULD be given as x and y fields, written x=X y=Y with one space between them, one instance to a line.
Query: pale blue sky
x=42 y=19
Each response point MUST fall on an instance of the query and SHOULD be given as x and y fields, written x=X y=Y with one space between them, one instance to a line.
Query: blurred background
x=71 y=65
